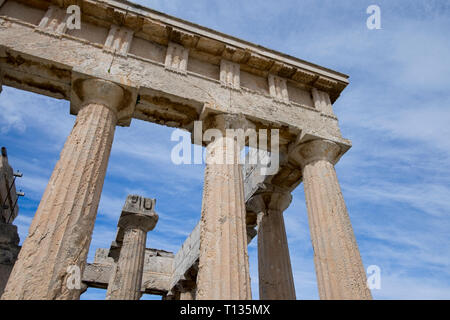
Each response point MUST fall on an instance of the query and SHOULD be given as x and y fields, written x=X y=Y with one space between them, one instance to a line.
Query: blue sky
x=396 y=111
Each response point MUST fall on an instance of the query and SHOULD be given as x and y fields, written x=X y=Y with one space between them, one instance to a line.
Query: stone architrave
x=137 y=218
x=276 y=281
x=61 y=231
x=339 y=268
x=223 y=264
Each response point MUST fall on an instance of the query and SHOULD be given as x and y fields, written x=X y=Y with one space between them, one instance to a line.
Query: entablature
x=204 y=44
x=172 y=68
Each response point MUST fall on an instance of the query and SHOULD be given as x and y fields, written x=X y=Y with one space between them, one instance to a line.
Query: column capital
x=120 y=99
x=223 y=134
x=138 y=212
x=212 y=119
x=273 y=199
x=319 y=149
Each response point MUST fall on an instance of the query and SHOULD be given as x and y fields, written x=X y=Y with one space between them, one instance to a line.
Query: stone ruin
x=129 y=62
x=9 y=238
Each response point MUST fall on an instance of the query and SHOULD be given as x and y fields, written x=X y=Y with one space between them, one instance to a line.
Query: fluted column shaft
x=339 y=269
x=137 y=218
x=223 y=267
x=127 y=279
x=61 y=230
x=276 y=281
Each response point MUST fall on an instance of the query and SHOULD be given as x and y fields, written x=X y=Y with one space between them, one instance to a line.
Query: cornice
x=208 y=44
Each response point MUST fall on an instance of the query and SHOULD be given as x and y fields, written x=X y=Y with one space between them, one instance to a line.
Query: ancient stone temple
x=123 y=61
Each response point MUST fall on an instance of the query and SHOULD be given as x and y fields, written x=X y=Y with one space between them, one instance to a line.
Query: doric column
x=276 y=281
x=339 y=269
x=61 y=230
x=223 y=266
x=138 y=217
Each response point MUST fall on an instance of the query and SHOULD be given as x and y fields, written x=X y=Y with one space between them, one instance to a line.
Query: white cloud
x=411 y=288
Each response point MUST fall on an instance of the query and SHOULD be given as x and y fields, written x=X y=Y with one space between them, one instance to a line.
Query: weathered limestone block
x=9 y=249
x=118 y=40
x=322 y=102
x=54 y=21
x=253 y=178
x=177 y=58
x=223 y=266
x=97 y=275
x=138 y=217
x=158 y=269
x=339 y=269
x=185 y=263
x=230 y=74
x=276 y=281
x=102 y=256
x=155 y=278
x=186 y=259
x=61 y=230
x=278 y=88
